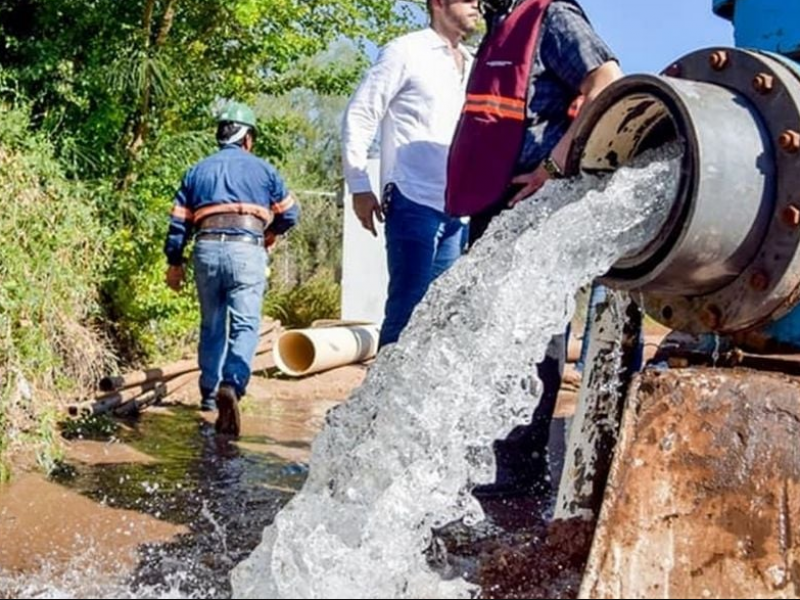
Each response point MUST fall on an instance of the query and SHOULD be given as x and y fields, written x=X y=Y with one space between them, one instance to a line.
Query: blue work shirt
x=231 y=181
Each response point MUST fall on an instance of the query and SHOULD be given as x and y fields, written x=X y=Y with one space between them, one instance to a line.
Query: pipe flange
x=770 y=285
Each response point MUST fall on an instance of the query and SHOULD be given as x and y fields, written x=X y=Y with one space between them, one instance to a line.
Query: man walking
x=237 y=204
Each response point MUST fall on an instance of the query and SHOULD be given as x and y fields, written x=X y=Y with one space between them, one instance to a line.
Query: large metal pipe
x=728 y=258
x=764 y=24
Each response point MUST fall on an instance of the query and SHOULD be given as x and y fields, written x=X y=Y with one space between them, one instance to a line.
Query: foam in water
x=400 y=457
x=88 y=574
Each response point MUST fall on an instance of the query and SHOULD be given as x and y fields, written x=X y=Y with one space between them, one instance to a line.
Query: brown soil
x=42 y=522
x=45 y=523
x=546 y=567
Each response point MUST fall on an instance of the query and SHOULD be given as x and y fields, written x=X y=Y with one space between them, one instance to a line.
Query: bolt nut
x=677 y=362
x=763 y=83
x=791 y=216
x=789 y=141
x=711 y=316
x=718 y=60
x=759 y=281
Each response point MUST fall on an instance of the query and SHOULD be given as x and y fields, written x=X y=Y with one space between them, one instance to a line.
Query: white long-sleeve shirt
x=414 y=93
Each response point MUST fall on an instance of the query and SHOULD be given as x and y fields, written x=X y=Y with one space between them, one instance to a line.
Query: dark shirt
x=568 y=50
x=230 y=176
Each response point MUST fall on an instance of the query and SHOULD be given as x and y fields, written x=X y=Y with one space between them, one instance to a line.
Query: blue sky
x=648 y=35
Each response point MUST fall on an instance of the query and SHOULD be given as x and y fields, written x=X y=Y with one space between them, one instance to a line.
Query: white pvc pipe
x=305 y=351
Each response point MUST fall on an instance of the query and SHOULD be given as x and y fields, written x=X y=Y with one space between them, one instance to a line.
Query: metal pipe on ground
x=135 y=405
x=167 y=380
x=119 y=382
x=109 y=402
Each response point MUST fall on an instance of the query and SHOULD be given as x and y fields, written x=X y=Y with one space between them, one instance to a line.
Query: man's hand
x=270 y=240
x=175 y=277
x=366 y=205
x=530 y=182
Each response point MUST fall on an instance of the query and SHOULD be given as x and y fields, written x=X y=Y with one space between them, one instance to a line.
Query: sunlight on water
x=402 y=454
x=88 y=575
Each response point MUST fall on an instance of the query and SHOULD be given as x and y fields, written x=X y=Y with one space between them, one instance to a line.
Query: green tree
x=113 y=75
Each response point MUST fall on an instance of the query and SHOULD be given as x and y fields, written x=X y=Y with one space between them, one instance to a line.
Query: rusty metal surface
x=595 y=426
x=680 y=349
x=703 y=496
x=767 y=289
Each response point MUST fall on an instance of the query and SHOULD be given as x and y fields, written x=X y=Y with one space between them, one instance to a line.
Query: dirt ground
x=41 y=521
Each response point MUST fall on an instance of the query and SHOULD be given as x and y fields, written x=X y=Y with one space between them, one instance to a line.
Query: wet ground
x=162 y=507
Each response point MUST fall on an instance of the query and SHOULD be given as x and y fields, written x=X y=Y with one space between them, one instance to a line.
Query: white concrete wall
x=364 y=272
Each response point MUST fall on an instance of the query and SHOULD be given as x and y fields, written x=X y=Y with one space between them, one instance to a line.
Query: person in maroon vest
x=536 y=59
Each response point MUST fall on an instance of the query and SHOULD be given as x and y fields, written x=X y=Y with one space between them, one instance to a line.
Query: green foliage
x=313 y=247
x=103 y=106
x=101 y=68
x=5 y=472
x=148 y=321
x=48 y=274
x=301 y=305
x=50 y=262
x=44 y=439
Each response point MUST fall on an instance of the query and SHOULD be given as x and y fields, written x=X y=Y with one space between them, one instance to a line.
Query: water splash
x=715 y=352
x=400 y=457
x=88 y=574
x=222 y=492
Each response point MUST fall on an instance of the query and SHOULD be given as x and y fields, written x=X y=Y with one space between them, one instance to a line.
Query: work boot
x=228 y=419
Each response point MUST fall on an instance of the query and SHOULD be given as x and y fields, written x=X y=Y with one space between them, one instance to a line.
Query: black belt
x=242 y=238
x=233 y=221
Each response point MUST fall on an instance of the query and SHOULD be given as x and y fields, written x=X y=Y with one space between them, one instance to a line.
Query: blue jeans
x=230 y=279
x=421 y=244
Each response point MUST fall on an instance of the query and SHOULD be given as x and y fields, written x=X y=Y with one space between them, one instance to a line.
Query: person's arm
x=594 y=83
x=284 y=207
x=362 y=119
x=575 y=52
x=287 y=215
x=180 y=230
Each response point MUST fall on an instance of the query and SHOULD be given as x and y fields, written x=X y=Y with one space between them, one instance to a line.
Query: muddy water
x=161 y=507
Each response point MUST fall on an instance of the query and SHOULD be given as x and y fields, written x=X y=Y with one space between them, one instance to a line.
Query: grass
x=49 y=265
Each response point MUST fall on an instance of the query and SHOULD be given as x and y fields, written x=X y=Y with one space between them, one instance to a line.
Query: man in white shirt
x=414 y=93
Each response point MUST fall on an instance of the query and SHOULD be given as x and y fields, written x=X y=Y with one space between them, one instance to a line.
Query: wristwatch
x=552 y=168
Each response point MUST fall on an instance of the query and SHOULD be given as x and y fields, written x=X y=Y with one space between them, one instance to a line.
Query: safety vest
x=492 y=127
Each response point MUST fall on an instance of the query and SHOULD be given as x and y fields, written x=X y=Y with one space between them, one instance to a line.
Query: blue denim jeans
x=421 y=244
x=230 y=279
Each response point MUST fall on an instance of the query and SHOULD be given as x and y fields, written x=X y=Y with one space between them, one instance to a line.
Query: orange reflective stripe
x=283 y=205
x=500 y=112
x=509 y=108
x=511 y=102
x=182 y=213
x=239 y=208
